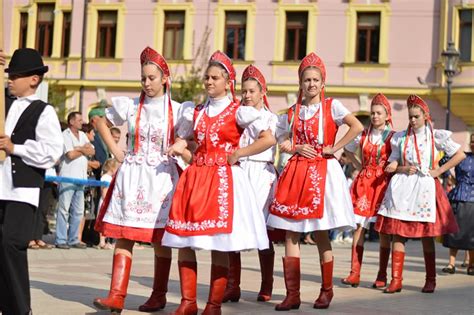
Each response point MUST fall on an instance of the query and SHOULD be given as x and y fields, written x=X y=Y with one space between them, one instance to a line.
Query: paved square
x=66 y=282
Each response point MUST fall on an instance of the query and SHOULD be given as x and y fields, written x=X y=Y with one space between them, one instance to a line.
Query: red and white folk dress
x=139 y=198
x=312 y=194
x=214 y=207
x=416 y=205
x=368 y=189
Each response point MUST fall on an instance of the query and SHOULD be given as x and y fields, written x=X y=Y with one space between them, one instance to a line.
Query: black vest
x=24 y=175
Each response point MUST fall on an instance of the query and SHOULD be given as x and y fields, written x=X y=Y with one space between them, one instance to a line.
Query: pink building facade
x=369 y=46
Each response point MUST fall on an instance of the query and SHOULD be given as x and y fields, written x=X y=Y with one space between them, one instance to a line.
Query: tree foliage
x=57 y=97
x=189 y=86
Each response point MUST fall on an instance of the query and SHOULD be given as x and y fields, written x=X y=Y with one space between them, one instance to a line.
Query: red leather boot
x=326 y=293
x=157 y=300
x=188 y=282
x=232 y=291
x=398 y=259
x=216 y=292
x=430 y=265
x=291 y=270
x=118 y=285
x=267 y=261
x=381 y=280
x=356 y=262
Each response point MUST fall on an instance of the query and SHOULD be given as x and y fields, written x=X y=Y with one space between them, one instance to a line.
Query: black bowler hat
x=25 y=62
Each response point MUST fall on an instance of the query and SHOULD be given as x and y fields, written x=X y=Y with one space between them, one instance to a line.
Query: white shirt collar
x=154 y=100
x=30 y=98
x=219 y=102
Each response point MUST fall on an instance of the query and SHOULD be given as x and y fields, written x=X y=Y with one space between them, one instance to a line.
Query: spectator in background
x=63 y=125
x=101 y=150
x=92 y=163
x=462 y=201
x=71 y=196
x=90 y=236
x=116 y=134
x=86 y=228
x=108 y=171
x=41 y=225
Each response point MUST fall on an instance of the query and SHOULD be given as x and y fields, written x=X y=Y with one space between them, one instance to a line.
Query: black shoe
x=79 y=246
x=449 y=269
x=470 y=271
x=62 y=246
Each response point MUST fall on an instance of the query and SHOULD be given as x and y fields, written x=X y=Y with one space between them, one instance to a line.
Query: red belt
x=210 y=159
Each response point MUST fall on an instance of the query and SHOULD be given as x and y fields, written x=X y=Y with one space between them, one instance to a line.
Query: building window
x=66 y=40
x=106 y=34
x=173 y=40
x=234 y=41
x=368 y=37
x=296 y=35
x=44 y=29
x=465 y=34
x=23 y=29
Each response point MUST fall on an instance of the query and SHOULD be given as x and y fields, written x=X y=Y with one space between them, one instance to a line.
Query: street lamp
x=451 y=57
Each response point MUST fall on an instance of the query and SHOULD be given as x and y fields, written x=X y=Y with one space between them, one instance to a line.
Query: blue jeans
x=70 y=211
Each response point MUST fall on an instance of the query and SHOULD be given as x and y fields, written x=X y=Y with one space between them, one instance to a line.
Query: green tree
x=57 y=97
x=189 y=87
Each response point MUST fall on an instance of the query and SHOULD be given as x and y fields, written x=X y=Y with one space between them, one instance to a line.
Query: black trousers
x=16 y=223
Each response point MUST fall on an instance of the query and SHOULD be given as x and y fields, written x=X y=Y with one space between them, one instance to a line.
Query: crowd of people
x=202 y=177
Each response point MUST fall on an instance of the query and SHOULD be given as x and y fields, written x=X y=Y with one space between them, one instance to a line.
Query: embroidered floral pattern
x=306 y=135
x=140 y=205
x=156 y=140
x=363 y=204
x=290 y=211
x=423 y=208
x=214 y=129
x=315 y=178
x=223 y=202
x=294 y=210
x=118 y=194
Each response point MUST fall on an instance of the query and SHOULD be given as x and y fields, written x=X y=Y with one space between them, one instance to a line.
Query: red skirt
x=300 y=189
x=203 y=203
x=125 y=232
x=368 y=190
x=445 y=221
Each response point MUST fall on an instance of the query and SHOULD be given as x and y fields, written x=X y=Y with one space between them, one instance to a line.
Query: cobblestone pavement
x=66 y=282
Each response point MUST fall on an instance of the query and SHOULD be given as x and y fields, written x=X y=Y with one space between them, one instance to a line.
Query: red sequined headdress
x=380 y=99
x=221 y=58
x=149 y=55
x=314 y=61
x=252 y=72
x=415 y=100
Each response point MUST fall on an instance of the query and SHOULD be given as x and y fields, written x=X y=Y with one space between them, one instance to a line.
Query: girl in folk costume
x=214 y=207
x=263 y=179
x=368 y=189
x=310 y=194
x=137 y=203
x=415 y=204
